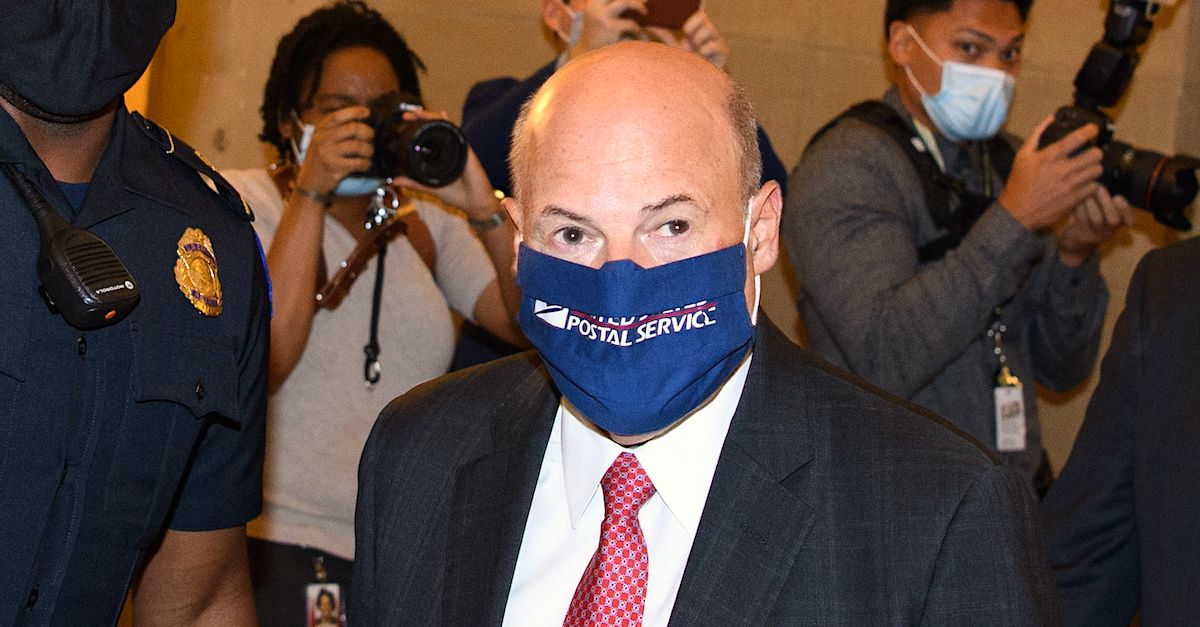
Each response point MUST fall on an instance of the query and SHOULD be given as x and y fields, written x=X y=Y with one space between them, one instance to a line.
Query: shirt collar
x=946 y=152
x=680 y=462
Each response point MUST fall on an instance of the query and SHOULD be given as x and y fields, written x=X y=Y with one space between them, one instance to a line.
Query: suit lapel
x=757 y=515
x=491 y=503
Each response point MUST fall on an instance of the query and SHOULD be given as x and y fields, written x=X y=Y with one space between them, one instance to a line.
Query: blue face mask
x=353 y=185
x=973 y=101
x=636 y=349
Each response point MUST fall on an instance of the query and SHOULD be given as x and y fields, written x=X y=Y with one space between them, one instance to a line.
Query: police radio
x=81 y=277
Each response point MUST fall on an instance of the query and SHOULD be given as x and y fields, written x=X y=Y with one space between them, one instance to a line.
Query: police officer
x=130 y=449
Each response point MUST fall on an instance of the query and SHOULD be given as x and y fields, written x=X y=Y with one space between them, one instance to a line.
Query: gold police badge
x=196 y=272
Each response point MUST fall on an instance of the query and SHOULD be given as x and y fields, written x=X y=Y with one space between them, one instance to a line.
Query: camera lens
x=1150 y=180
x=431 y=152
x=434 y=152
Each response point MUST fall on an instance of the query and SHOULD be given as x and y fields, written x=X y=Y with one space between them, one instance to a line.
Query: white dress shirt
x=563 y=529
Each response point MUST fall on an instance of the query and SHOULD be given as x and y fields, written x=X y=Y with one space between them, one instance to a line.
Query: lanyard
x=985 y=155
x=1005 y=377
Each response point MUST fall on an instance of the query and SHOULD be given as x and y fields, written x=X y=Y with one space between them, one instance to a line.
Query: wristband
x=323 y=198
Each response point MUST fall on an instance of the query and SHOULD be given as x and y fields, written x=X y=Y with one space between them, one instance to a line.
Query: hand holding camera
x=699 y=35
x=606 y=22
x=1161 y=184
x=1047 y=184
x=340 y=144
x=470 y=190
x=1094 y=220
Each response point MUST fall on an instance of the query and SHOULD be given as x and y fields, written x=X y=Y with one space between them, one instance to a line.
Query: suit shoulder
x=864 y=424
x=1178 y=259
x=459 y=407
x=896 y=415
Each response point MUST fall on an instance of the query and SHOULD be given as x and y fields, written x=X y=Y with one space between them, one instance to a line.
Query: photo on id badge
x=324 y=605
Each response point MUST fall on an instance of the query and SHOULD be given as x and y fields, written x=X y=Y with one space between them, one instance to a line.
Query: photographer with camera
x=491 y=107
x=934 y=258
x=334 y=107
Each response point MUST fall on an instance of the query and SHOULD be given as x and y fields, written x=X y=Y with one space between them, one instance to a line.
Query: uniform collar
x=680 y=463
x=131 y=161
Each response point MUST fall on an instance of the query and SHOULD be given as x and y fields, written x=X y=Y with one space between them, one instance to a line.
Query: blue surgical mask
x=353 y=185
x=636 y=349
x=972 y=102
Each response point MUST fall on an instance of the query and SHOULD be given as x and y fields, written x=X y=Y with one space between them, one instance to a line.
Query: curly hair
x=300 y=57
x=902 y=9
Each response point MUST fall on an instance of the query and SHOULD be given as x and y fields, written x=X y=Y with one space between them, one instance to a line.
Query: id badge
x=1010 y=419
x=323 y=605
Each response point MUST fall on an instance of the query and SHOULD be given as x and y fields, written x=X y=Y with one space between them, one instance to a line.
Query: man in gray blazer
x=667 y=456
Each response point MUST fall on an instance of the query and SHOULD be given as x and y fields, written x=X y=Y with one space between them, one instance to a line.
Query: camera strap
x=952 y=206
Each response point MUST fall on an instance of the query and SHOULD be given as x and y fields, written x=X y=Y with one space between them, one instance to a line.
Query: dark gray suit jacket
x=832 y=504
x=1124 y=516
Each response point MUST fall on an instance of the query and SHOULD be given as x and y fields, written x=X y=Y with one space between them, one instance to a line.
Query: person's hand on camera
x=699 y=35
x=341 y=144
x=603 y=24
x=1095 y=219
x=1047 y=184
x=472 y=192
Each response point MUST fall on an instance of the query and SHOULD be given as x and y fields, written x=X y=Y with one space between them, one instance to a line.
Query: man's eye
x=571 y=235
x=1011 y=55
x=969 y=49
x=675 y=228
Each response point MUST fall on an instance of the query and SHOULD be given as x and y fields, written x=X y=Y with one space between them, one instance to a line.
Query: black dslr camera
x=1162 y=185
x=431 y=152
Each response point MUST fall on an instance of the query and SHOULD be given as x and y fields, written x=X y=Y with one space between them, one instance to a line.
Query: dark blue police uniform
x=110 y=436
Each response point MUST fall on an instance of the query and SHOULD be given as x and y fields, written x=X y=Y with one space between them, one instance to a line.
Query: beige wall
x=802 y=61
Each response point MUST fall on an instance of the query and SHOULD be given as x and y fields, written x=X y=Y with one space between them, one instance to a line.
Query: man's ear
x=515 y=214
x=555 y=18
x=900 y=43
x=765 y=213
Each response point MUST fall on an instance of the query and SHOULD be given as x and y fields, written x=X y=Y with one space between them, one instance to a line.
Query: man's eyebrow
x=980 y=34
x=668 y=201
x=556 y=211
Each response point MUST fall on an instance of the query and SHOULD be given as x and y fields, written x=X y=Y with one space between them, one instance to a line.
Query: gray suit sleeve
x=991 y=567
x=1069 y=316
x=850 y=226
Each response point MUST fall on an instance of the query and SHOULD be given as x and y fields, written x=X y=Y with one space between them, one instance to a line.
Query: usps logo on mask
x=627 y=331
x=553 y=315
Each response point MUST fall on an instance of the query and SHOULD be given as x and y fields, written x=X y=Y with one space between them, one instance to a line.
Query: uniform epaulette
x=189 y=157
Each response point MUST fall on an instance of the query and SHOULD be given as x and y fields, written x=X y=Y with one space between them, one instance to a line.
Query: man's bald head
x=631 y=90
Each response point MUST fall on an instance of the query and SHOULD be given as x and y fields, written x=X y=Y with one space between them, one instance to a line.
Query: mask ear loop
x=757 y=277
x=571 y=38
x=933 y=57
x=306 y=133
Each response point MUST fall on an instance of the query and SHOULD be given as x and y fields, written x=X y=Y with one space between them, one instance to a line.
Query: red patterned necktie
x=612 y=590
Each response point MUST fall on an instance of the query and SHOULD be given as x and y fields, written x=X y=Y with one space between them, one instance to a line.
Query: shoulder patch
x=188 y=156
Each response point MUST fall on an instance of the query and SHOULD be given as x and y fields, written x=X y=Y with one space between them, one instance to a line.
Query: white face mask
x=972 y=103
x=353 y=185
x=750 y=253
x=571 y=37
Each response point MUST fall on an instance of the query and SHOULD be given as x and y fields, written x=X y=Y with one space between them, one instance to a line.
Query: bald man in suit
x=667 y=456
